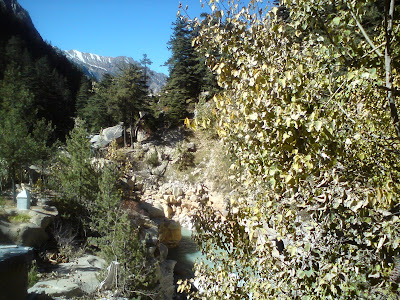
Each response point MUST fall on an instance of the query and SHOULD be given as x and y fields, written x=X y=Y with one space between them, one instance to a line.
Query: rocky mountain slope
x=12 y=7
x=96 y=66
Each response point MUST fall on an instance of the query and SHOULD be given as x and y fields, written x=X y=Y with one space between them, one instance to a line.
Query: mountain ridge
x=95 y=66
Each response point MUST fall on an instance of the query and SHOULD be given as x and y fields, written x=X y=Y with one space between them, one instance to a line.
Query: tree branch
x=364 y=33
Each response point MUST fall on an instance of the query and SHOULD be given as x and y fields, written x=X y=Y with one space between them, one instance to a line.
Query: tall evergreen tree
x=95 y=110
x=129 y=97
x=18 y=119
x=145 y=62
x=188 y=73
x=75 y=177
x=82 y=98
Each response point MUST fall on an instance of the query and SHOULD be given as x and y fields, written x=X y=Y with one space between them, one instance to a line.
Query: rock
x=171 y=199
x=193 y=198
x=170 y=233
x=141 y=135
x=178 y=211
x=191 y=147
x=150 y=234
x=156 y=211
x=77 y=278
x=59 y=287
x=41 y=219
x=167 y=211
x=131 y=182
x=177 y=192
x=163 y=251
x=167 y=279
x=31 y=233
x=179 y=200
x=115 y=133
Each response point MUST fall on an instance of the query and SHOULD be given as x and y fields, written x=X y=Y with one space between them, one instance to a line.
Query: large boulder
x=115 y=133
x=31 y=233
x=170 y=233
x=154 y=211
x=167 y=279
x=73 y=279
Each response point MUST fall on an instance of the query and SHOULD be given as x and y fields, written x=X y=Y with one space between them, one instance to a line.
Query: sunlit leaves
x=315 y=158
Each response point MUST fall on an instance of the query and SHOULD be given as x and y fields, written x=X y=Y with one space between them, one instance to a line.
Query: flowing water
x=185 y=254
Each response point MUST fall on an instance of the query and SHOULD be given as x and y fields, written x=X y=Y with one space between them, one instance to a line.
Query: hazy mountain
x=96 y=66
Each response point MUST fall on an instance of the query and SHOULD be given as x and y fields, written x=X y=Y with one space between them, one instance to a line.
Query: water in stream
x=185 y=254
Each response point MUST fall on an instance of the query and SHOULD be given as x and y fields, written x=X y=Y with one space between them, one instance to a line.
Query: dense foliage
x=121 y=98
x=309 y=117
x=38 y=90
x=45 y=72
x=89 y=199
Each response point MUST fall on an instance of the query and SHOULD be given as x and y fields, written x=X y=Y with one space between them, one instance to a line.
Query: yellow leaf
x=318 y=125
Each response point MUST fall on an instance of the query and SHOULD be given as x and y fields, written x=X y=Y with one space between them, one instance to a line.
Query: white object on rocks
x=112 y=276
x=24 y=200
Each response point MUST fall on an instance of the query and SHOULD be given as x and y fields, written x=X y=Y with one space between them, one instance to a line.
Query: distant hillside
x=96 y=66
x=52 y=79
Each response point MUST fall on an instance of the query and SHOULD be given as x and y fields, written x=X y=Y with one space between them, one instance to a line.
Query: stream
x=185 y=254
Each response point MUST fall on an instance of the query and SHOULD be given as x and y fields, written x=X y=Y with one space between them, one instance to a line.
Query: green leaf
x=336 y=20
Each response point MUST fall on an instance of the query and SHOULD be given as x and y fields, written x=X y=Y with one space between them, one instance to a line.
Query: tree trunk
x=389 y=12
x=132 y=134
x=124 y=132
x=14 y=192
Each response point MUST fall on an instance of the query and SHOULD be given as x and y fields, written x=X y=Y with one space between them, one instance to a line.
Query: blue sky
x=110 y=27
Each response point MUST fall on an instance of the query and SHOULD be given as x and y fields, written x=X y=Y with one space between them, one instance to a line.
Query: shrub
x=33 y=275
x=20 y=218
x=153 y=160
x=185 y=159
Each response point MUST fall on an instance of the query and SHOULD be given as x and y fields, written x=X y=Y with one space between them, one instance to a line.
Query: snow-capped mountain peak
x=96 y=66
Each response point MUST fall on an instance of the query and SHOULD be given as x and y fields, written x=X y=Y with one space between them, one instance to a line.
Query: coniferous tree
x=23 y=138
x=129 y=96
x=188 y=74
x=118 y=238
x=82 y=98
x=145 y=62
x=75 y=177
x=95 y=110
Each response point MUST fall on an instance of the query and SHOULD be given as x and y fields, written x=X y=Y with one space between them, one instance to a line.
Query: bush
x=185 y=159
x=66 y=237
x=33 y=275
x=153 y=160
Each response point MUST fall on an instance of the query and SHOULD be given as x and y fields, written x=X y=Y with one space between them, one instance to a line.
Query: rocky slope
x=14 y=8
x=95 y=66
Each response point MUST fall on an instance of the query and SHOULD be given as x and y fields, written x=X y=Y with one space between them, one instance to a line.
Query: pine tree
x=83 y=96
x=95 y=110
x=146 y=62
x=75 y=177
x=17 y=116
x=129 y=96
x=188 y=74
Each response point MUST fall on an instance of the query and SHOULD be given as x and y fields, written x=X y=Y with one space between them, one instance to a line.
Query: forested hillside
x=27 y=60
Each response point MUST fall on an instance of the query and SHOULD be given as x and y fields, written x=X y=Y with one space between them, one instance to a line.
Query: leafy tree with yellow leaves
x=309 y=116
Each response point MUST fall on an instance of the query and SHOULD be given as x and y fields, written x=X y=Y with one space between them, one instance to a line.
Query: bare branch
x=364 y=33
